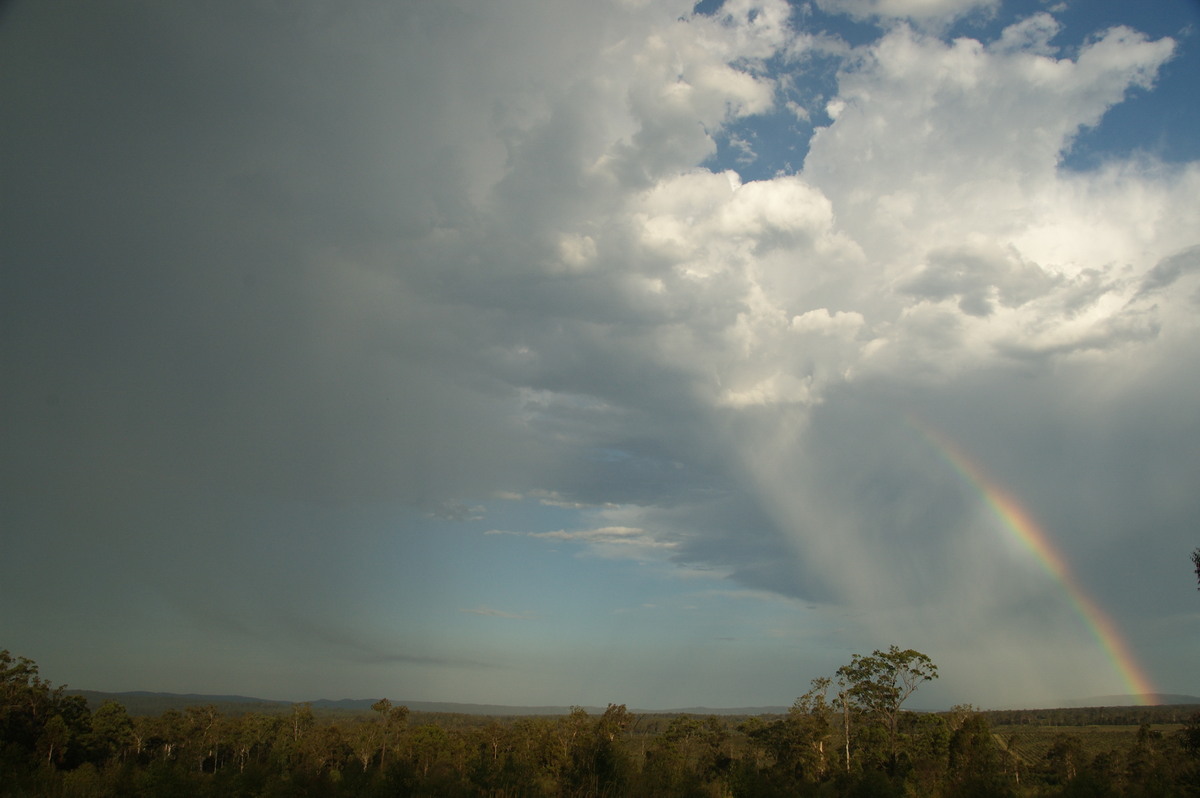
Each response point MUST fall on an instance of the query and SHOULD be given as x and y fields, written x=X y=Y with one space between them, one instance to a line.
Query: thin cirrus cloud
x=613 y=541
x=489 y=612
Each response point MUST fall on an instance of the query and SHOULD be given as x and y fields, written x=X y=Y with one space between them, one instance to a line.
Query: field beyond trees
x=847 y=736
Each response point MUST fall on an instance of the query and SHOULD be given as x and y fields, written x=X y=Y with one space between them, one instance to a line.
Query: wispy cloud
x=551 y=498
x=494 y=613
x=457 y=511
x=608 y=534
x=615 y=542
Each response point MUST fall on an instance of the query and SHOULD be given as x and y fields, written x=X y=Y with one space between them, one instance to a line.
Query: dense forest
x=847 y=736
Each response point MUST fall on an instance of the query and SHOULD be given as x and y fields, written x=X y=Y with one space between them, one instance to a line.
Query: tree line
x=849 y=735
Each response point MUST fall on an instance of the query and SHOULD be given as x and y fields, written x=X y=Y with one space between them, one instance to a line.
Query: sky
x=629 y=351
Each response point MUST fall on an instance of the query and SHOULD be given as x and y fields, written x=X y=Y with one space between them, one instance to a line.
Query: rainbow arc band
x=1022 y=526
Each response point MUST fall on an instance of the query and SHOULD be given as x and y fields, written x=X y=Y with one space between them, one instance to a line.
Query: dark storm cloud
x=1105 y=472
x=980 y=280
x=190 y=301
x=1169 y=270
x=291 y=291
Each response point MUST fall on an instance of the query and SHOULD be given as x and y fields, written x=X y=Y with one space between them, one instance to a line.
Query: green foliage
x=53 y=746
x=689 y=758
x=877 y=687
x=976 y=761
x=1189 y=736
x=112 y=733
x=796 y=752
x=598 y=762
x=924 y=757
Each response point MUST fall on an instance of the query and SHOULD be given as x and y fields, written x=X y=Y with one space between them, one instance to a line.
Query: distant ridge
x=142 y=702
x=1164 y=699
x=357 y=704
x=220 y=699
x=716 y=711
x=446 y=707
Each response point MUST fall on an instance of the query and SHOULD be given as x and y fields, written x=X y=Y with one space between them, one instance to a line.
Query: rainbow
x=1032 y=537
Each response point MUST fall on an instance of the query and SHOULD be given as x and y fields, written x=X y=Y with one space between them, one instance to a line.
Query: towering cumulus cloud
x=300 y=301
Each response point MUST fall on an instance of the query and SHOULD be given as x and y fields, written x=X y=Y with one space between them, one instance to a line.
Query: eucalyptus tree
x=879 y=684
x=392 y=722
x=598 y=762
x=688 y=757
x=250 y=737
x=36 y=716
x=844 y=701
x=810 y=714
x=365 y=738
x=202 y=734
x=976 y=762
x=112 y=731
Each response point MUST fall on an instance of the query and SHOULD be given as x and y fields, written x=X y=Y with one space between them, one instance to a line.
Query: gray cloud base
x=265 y=268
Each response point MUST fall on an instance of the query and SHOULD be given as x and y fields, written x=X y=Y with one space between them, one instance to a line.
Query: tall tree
x=392 y=721
x=1196 y=565
x=976 y=768
x=26 y=702
x=882 y=682
x=202 y=729
x=845 y=702
x=810 y=715
x=112 y=731
x=365 y=738
x=599 y=764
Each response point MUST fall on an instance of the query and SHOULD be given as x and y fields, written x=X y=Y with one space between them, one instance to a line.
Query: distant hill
x=753 y=711
x=363 y=704
x=1166 y=699
x=140 y=702
x=445 y=707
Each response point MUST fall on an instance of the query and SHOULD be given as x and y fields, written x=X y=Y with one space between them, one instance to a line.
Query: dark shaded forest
x=847 y=736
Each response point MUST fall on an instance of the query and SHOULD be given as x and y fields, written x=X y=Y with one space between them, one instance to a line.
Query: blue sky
x=532 y=354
